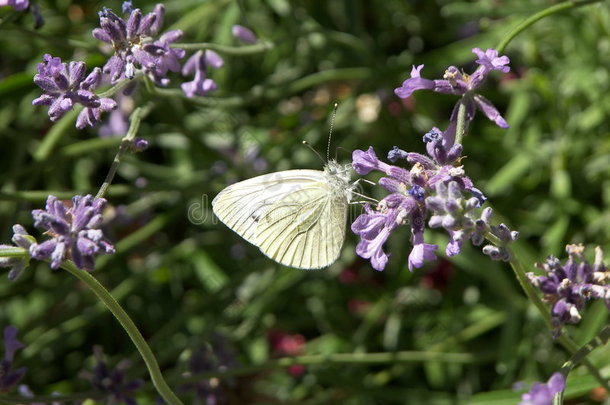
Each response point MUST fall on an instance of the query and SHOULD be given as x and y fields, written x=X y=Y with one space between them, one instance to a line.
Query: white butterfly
x=295 y=217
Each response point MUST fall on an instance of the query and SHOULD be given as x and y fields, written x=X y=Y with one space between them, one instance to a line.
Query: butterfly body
x=295 y=217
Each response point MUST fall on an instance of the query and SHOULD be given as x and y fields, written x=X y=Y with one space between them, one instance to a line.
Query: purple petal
x=213 y=59
x=133 y=23
x=101 y=35
x=490 y=111
x=11 y=344
x=244 y=34
x=414 y=83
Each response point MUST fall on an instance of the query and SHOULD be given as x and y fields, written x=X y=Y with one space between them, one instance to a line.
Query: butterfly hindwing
x=305 y=228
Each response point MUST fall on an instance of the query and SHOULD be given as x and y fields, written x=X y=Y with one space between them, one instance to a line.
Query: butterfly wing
x=295 y=217
x=306 y=227
x=240 y=206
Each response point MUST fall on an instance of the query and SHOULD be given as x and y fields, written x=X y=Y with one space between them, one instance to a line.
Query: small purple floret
x=9 y=378
x=542 y=394
x=244 y=34
x=198 y=63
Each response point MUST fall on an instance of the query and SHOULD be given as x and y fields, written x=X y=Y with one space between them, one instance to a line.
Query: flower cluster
x=65 y=85
x=9 y=377
x=74 y=231
x=542 y=394
x=462 y=84
x=135 y=47
x=568 y=287
x=112 y=382
x=435 y=184
x=216 y=356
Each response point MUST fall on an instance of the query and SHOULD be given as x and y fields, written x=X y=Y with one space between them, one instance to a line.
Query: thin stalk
x=557 y=8
x=341 y=358
x=228 y=50
x=600 y=340
x=14 y=252
x=136 y=118
x=134 y=334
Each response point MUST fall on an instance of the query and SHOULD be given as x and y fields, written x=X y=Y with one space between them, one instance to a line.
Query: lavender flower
x=17 y=264
x=542 y=394
x=18 y=5
x=568 y=287
x=216 y=356
x=8 y=377
x=462 y=84
x=201 y=85
x=112 y=382
x=244 y=34
x=435 y=184
x=66 y=85
x=74 y=231
x=134 y=45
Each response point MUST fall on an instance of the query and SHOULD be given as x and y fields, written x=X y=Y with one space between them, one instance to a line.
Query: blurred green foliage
x=184 y=278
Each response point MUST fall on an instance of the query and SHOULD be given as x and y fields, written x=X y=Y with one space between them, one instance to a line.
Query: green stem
x=460 y=127
x=600 y=340
x=14 y=252
x=229 y=50
x=566 y=5
x=136 y=337
x=281 y=90
x=136 y=118
x=52 y=138
x=342 y=358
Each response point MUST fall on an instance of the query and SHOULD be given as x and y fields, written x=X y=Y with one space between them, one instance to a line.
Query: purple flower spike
x=74 y=230
x=542 y=394
x=244 y=34
x=112 y=382
x=568 y=287
x=66 y=85
x=135 y=47
x=10 y=378
x=18 y=5
x=461 y=84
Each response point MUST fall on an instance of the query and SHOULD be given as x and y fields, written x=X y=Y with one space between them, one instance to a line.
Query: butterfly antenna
x=314 y=151
x=330 y=133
